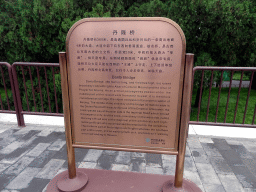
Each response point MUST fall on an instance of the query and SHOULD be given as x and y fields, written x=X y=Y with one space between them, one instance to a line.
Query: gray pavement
x=30 y=157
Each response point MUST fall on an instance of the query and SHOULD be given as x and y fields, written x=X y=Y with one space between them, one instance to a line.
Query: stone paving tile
x=220 y=165
x=61 y=154
x=93 y=155
x=28 y=135
x=210 y=149
x=62 y=170
x=50 y=169
x=12 y=147
x=36 y=185
x=5 y=180
x=154 y=169
x=79 y=153
x=153 y=158
x=246 y=178
x=19 y=166
x=189 y=164
x=212 y=163
x=89 y=165
x=123 y=157
x=42 y=159
x=57 y=145
x=230 y=183
x=213 y=188
x=205 y=140
x=169 y=162
x=2 y=130
x=207 y=174
x=221 y=144
x=110 y=152
x=119 y=167
x=193 y=142
x=23 y=179
x=105 y=160
x=169 y=157
x=138 y=165
x=241 y=151
x=3 y=167
x=138 y=155
x=50 y=138
x=170 y=168
x=233 y=141
x=231 y=157
x=60 y=129
x=250 y=164
x=249 y=190
x=29 y=143
x=22 y=132
x=7 y=141
x=15 y=156
x=2 y=156
x=199 y=156
x=7 y=133
x=36 y=151
x=193 y=176
x=44 y=190
x=250 y=145
x=45 y=132
x=188 y=152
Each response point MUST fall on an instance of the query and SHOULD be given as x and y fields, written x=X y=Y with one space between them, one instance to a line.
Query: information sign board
x=125 y=82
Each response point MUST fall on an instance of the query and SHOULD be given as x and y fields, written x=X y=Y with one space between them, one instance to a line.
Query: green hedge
x=35 y=30
x=218 y=32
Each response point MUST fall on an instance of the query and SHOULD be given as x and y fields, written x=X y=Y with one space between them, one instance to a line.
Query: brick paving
x=30 y=157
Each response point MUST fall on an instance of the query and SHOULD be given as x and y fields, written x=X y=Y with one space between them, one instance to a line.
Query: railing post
x=16 y=95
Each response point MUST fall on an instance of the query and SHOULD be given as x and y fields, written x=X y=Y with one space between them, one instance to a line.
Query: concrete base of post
x=187 y=186
x=63 y=183
x=117 y=181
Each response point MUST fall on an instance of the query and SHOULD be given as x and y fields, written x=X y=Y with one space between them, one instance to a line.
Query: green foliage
x=3 y=98
x=204 y=59
x=154 y=8
x=97 y=11
x=36 y=30
x=218 y=32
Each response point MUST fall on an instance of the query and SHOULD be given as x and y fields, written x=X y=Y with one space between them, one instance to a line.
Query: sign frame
x=180 y=81
x=184 y=99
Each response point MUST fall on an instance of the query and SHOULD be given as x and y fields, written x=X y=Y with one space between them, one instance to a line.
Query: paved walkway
x=30 y=157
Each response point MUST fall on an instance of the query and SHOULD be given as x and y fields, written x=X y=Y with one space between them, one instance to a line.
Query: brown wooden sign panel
x=125 y=81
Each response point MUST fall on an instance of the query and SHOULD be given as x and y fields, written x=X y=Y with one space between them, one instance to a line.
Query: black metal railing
x=38 y=88
x=218 y=99
x=231 y=96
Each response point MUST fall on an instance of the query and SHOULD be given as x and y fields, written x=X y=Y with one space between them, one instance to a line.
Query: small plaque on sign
x=125 y=78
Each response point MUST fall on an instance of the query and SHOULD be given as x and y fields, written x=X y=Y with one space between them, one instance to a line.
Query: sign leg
x=71 y=180
x=179 y=183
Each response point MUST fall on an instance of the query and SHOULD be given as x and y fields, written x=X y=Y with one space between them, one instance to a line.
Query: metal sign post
x=126 y=85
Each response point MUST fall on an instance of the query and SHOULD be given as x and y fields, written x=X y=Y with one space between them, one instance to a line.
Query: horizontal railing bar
x=225 y=68
x=42 y=113
x=36 y=64
x=7 y=111
x=222 y=124
x=5 y=64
